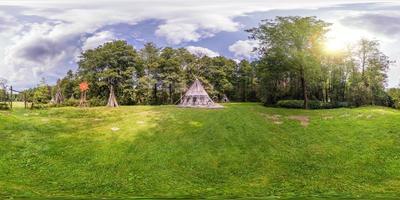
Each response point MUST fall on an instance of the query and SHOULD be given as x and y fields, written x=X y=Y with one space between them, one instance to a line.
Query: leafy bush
x=290 y=104
x=95 y=101
x=39 y=105
x=4 y=106
x=311 y=104
x=71 y=102
x=394 y=95
x=42 y=95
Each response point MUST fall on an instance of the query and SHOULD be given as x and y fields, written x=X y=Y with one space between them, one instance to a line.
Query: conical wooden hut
x=197 y=97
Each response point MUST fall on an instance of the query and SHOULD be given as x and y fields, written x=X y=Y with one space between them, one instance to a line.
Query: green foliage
x=40 y=105
x=394 y=94
x=290 y=103
x=111 y=64
x=290 y=49
x=71 y=102
x=95 y=101
x=293 y=65
x=312 y=104
x=41 y=95
x=4 y=106
x=155 y=75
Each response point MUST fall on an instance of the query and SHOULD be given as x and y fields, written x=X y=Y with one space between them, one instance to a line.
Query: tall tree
x=3 y=89
x=112 y=66
x=296 y=42
x=42 y=94
x=373 y=65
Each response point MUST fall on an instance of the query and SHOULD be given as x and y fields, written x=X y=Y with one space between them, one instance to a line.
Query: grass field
x=244 y=150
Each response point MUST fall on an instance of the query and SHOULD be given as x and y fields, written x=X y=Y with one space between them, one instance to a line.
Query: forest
x=293 y=69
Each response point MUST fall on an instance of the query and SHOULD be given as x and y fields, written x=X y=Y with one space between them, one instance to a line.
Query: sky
x=44 y=38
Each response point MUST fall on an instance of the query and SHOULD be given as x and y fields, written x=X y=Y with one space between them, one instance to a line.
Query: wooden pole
x=11 y=96
x=26 y=106
x=155 y=94
x=170 y=94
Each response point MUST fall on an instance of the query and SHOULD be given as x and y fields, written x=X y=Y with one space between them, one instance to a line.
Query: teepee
x=197 y=97
x=59 y=98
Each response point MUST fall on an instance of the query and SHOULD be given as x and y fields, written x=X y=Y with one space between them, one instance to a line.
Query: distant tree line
x=292 y=65
x=151 y=75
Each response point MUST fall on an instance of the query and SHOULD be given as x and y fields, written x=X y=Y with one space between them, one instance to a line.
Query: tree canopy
x=292 y=65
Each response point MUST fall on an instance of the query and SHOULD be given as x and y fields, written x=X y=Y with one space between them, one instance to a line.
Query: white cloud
x=244 y=48
x=98 y=39
x=201 y=51
x=40 y=51
x=178 y=33
x=31 y=49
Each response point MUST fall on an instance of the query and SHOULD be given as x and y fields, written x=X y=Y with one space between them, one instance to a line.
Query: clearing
x=244 y=150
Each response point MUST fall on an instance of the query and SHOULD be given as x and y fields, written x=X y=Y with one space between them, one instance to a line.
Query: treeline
x=152 y=75
x=293 y=64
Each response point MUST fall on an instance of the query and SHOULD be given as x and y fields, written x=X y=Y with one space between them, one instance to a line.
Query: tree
x=42 y=94
x=112 y=66
x=294 y=44
x=245 y=82
x=394 y=94
x=3 y=89
x=69 y=85
x=373 y=65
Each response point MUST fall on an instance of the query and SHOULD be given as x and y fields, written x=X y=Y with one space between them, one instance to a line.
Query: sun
x=339 y=38
x=333 y=45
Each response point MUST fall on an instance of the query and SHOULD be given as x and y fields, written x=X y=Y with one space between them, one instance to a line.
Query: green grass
x=244 y=150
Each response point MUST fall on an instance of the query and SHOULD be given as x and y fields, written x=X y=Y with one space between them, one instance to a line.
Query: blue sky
x=43 y=38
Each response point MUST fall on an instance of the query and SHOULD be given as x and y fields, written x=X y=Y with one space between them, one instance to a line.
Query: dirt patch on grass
x=304 y=120
x=276 y=119
x=327 y=117
x=345 y=115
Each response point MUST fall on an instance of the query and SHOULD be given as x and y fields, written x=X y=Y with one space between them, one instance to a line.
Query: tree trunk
x=112 y=100
x=304 y=87
x=83 y=102
x=155 y=94
x=171 y=98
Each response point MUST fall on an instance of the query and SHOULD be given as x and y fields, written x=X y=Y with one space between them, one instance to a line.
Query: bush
x=394 y=96
x=290 y=104
x=4 y=106
x=71 y=102
x=311 y=104
x=97 y=102
x=39 y=105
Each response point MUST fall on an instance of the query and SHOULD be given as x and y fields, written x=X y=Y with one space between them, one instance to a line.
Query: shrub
x=394 y=95
x=311 y=104
x=4 y=106
x=95 y=101
x=290 y=104
x=71 y=102
x=39 y=105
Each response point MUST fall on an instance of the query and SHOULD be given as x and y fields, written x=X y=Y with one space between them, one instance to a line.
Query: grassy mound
x=244 y=150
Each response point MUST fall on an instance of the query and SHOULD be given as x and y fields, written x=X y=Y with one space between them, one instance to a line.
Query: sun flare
x=339 y=38
x=335 y=45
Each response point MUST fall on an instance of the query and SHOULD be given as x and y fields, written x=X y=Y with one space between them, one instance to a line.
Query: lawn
x=244 y=150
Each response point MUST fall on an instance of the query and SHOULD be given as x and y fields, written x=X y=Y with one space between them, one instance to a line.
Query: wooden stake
x=25 y=104
x=11 y=93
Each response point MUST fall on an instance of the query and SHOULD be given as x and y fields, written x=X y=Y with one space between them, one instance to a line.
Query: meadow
x=243 y=150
